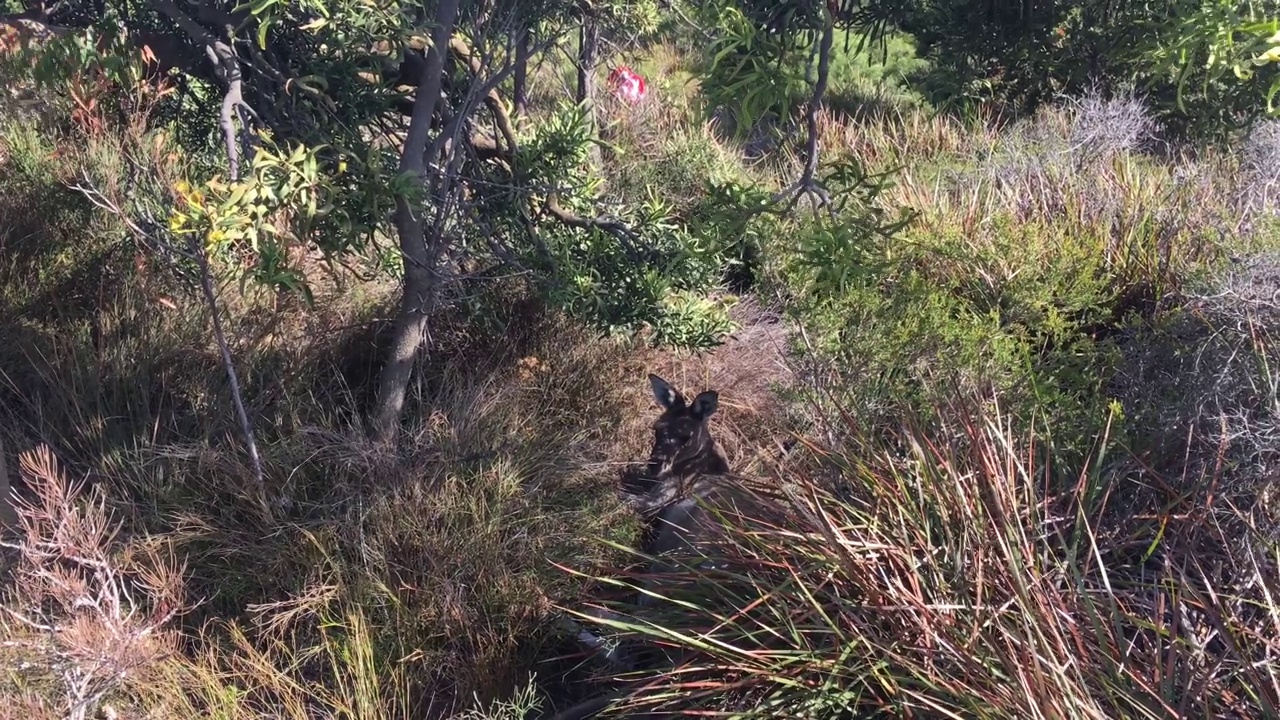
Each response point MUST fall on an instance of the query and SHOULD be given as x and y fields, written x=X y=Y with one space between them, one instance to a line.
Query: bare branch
x=233 y=379
x=227 y=66
x=618 y=229
x=807 y=183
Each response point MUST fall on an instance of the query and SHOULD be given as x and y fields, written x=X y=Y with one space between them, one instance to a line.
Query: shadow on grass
x=446 y=542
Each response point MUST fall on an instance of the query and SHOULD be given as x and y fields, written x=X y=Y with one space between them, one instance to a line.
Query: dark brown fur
x=686 y=466
x=683 y=448
x=683 y=472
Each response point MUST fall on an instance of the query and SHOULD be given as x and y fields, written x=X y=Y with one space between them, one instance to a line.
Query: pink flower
x=627 y=84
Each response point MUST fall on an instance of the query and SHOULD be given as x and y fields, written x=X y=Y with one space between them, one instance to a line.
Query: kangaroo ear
x=667 y=396
x=705 y=404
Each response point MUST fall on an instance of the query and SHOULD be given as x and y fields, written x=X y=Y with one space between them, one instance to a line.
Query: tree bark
x=520 y=83
x=226 y=66
x=8 y=514
x=588 y=56
x=588 y=53
x=420 y=280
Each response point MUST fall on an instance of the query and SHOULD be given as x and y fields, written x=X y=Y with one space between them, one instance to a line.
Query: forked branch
x=227 y=66
x=807 y=183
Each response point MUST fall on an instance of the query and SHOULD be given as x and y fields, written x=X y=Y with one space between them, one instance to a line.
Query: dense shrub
x=1029 y=255
x=1019 y=56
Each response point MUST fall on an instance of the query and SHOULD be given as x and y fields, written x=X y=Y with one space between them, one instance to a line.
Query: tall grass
x=952 y=578
x=418 y=580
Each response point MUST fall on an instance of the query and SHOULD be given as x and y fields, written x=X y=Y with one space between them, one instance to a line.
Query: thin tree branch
x=195 y=252
x=237 y=394
x=227 y=66
x=807 y=183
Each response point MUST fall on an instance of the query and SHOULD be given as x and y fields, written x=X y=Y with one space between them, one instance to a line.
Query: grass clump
x=948 y=575
x=415 y=582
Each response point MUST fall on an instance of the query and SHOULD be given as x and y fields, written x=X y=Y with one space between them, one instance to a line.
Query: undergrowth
x=1032 y=429
x=962 y=578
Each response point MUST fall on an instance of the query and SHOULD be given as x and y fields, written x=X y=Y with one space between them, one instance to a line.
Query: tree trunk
x=588 y=56
x=8 y=514
x=407 y=339
x=411 y=226
x=520 y=83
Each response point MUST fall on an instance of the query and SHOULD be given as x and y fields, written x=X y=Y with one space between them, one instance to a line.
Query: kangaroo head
x=682 y=442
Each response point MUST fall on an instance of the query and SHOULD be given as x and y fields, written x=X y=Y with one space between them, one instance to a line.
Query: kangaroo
x=683 y=468
x=684 y=465
x=682 y=442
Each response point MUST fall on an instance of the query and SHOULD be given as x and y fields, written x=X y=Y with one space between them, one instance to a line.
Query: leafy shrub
x=623 y=273
x=759 y=66
x=1027 y=258
x=1021 y=57
x=749 y=72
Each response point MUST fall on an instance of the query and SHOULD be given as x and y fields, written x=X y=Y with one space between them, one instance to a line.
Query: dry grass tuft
x=85 y=614
x=1259 y=156
x=946 y=579
x=901 y=138
x=1204 y=384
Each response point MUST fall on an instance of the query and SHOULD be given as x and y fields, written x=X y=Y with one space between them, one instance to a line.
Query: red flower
x=627 y=84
